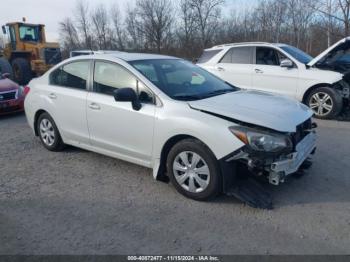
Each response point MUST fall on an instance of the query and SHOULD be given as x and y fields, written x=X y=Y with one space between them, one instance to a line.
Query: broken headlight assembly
x=262 y=141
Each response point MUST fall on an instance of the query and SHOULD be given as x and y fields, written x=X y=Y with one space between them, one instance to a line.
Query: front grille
x=52 y=56
x=302 y=131
x=7 y=96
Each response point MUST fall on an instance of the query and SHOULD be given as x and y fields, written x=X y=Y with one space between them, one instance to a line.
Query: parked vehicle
x=11 y=95
x=172 y=116
x=27 y=53
x=322 y=83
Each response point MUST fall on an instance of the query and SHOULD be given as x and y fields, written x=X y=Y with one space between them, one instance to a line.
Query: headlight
x=262 y=141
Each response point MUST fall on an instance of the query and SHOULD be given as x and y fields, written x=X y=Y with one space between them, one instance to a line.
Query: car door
x=115 y=126
x=270 y=76
x=236 y=67
x=67 y=95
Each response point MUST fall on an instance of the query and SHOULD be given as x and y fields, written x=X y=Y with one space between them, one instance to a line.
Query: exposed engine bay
x=277 y=166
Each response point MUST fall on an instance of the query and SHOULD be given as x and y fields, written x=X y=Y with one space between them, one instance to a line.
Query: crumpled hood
x=259 y=108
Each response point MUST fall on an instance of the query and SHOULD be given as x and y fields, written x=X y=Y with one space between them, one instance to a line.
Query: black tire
x=215 y=182
x=57 y=144
x=5 y=67
x=22 y=73
x=335 y=99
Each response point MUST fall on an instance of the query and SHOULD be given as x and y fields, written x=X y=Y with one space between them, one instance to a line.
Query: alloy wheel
x=321 y=103
x=191 y=172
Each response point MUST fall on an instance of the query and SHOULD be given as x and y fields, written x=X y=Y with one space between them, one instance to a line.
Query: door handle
x=52 y=96
x=94 y=106
x=219 y=68
x=259 y=71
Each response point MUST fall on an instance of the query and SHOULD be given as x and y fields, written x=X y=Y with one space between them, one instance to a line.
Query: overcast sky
x=50 y=12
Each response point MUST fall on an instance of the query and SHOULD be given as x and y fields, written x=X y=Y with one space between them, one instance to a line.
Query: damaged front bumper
x=282 y=168
x=343 y=86
x=277 y=168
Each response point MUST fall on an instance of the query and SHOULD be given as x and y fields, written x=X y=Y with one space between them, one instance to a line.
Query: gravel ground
x=77 y=202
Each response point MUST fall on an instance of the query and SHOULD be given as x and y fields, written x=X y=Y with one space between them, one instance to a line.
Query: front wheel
x=193 y=170
x=326 y=102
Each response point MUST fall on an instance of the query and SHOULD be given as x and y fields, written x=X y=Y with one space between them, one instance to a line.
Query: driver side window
x=268 y=56
x=109 y=76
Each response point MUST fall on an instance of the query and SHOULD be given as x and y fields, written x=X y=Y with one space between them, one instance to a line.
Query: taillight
x=26 y=90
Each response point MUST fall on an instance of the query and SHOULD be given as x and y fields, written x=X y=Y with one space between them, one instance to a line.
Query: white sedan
x=322 y=83
x=167 y=114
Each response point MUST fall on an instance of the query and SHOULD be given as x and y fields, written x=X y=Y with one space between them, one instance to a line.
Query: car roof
x=226 y=46
x=130 y=56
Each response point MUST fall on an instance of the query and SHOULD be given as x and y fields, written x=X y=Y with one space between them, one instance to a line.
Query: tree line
x=184 y=28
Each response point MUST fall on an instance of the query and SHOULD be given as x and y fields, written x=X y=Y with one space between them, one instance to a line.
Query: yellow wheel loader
x=27 y=53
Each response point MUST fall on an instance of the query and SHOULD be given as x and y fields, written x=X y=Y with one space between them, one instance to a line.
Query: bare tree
x=345 y=8
x=277 y=14
x=271 y=16
x=82 y=18
x=207 y=13
x=188 y=29
x=69 y=34
x=135 y=37
x=300 y=13
x=183 y=28
x=118 y=26
x=100 y=20
x=155 y=19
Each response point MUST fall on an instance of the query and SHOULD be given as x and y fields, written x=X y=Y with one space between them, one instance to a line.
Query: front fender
x=314 y=77
x=212 y=131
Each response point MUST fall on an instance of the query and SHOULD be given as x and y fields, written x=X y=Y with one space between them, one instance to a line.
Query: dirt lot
x=77 y=202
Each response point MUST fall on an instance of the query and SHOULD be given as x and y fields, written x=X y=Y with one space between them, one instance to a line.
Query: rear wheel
x=48 y=133
x=326 y=102
x=21 y=71
x=193 y=170
x=5 y=67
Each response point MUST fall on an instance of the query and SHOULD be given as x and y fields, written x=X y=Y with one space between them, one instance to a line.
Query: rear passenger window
x=73 y=75
x=239 y=55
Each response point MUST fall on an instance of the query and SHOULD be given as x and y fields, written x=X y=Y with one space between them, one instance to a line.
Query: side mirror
x=287 y=63
x=4 y=30
x=6 y=75
x=127 y=94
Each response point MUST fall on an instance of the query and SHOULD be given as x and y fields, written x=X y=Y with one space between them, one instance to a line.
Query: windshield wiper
x=203 y=96
x=218 y=92
x=187 y=97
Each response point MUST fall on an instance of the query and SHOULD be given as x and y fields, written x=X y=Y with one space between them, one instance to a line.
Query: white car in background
x=322 y=83
x=172 y=116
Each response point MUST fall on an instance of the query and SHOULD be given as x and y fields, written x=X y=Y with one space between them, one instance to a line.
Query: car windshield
x=29 y=33
x=182 y=80
x=298 y=54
